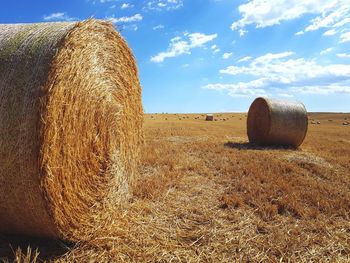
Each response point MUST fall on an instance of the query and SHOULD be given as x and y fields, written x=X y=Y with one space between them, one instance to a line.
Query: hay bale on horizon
x=70 y=125
x=277 y=122
x=209 y=117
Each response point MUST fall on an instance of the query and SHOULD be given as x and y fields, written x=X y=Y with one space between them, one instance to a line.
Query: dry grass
x=206 y=195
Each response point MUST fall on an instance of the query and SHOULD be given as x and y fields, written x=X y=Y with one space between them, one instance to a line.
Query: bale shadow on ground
x=252 y=146
x=48 y=249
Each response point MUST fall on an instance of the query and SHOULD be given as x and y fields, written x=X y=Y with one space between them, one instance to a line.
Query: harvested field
x=205 y=194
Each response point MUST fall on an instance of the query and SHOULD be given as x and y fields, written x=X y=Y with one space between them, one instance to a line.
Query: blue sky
x=218 y=55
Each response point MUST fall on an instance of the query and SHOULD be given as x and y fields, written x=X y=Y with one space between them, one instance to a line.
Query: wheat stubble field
x=206 y=195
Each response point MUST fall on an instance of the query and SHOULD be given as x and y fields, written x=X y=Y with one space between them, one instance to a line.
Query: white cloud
x=343 y=55
x=215 y=49
x=242 y=32
x=322 y=89
x=330 y=32
x=343 y=22
x=240 y=89
x=334 y=14
x=164 y=5
x=198 y=39
x=262 y=13
x=158 y=27
x=226 y=55
x=299 y=33
x=244 y=59
x=285 y=95
x=126 y=5
x=267 y=13
x=283 y=72
x=183 y=45
x=325 y=51
x=345 y=37
x=125 y=19
x=132 y=27
x=58 y=17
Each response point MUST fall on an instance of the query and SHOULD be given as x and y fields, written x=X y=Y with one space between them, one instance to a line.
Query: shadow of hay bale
x=252 y=146
x=49 y=249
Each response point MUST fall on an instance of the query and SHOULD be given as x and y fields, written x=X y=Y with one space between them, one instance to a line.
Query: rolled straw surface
x=209 y=117
x=70 y=126
x=277 y=122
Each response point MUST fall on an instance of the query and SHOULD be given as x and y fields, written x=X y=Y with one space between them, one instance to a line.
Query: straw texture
x=209 y=117
x=277 y=122
x=70 y=126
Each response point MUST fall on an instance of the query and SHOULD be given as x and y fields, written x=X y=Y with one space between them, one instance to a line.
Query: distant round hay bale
x=70 y=126
x=277 y=122
x=209 y=117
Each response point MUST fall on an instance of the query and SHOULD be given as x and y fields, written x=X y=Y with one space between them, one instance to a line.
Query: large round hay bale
x=209 y=117
x=70 y=126
x=277 y=122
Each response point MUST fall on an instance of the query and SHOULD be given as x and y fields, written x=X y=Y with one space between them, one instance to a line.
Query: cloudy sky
x=218 y=55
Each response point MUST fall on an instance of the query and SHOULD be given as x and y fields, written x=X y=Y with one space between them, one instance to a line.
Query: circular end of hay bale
x=259 y=122
x=91 y=129
x=73 y=111
x=277 y=122
x=209 y=117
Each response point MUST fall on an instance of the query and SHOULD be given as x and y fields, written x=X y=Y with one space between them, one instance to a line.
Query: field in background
x=206 y=195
